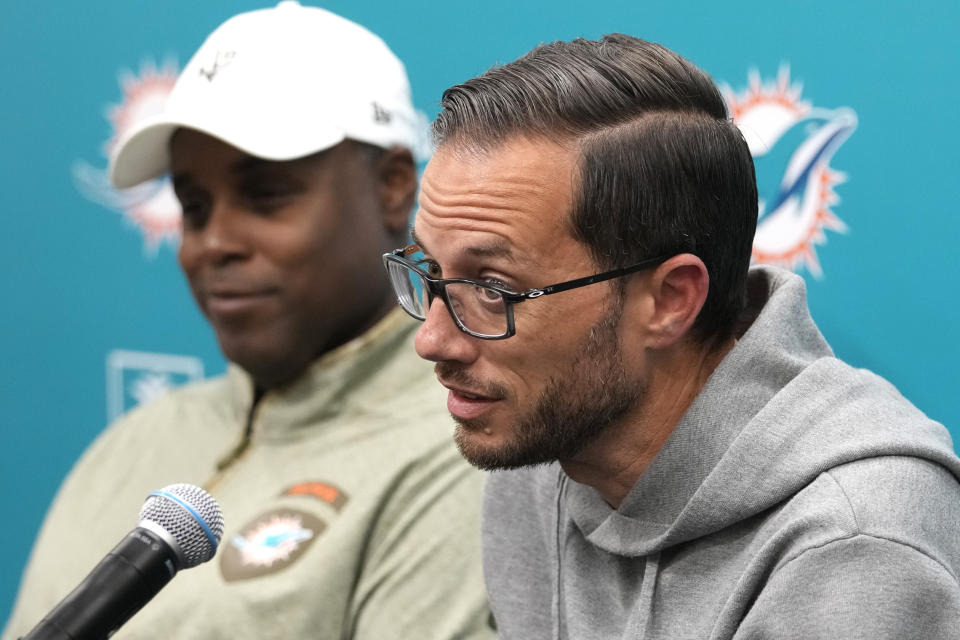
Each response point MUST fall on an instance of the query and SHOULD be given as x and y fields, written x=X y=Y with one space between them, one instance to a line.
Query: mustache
x=453 y=373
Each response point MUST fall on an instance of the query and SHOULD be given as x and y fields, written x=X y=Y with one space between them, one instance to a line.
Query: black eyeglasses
x=480 y=309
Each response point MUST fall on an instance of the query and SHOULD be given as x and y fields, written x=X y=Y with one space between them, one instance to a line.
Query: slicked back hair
x=663 y=170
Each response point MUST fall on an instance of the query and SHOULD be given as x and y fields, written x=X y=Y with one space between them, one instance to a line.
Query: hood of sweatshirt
x=778 y=411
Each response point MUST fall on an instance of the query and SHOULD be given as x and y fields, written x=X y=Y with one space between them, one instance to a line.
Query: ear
x=677 y=288
x=396 y=188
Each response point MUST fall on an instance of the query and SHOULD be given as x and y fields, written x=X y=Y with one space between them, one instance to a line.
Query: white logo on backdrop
x=151 y=206
x=135 y=377
x=792 y=143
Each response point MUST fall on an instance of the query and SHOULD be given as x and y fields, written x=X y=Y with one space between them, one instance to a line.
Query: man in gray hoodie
x=679 y=453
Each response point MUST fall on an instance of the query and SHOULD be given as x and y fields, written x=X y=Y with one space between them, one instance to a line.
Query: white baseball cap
x=279 y=84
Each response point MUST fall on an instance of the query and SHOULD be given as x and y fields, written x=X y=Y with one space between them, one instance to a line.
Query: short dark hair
x=663 y=170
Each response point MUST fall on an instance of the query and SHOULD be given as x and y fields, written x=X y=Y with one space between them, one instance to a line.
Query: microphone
x=180 y=527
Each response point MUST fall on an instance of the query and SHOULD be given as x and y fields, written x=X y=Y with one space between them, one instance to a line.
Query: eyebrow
x=249 y=164
x=497 y=249
x=245 y=165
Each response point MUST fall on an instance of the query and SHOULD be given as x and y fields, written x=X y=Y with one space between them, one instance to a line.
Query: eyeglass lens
x=480 y=309
x=410 y=288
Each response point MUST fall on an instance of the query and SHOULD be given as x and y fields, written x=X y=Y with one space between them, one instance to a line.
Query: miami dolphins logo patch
x=152 y=206
x=271 y=542
x=792 y=143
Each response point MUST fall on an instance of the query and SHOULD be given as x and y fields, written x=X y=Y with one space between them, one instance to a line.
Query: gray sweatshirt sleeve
x=857 y=587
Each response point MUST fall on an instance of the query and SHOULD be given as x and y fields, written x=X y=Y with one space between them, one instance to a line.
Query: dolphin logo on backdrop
x=792 y=144
x=151 y=206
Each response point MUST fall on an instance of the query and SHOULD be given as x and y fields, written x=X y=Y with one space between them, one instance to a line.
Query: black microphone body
x=125 y=580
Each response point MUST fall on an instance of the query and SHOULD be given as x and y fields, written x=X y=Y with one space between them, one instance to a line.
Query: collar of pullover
x=778 y=412
x=780 y=343
x=339 y=381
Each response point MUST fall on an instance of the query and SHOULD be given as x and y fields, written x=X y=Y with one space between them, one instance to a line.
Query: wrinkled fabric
x=797 y=498
x=354 y=461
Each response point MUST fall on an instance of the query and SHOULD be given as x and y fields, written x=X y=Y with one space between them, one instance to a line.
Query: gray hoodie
x=797 y=498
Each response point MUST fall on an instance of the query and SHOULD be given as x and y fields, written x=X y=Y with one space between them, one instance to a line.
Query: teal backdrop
x=89 y=301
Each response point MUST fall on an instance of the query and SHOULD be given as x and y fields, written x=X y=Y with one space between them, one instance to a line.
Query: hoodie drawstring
x=640 y=619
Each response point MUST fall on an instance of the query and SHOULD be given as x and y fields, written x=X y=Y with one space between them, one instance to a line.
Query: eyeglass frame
x=437 y=287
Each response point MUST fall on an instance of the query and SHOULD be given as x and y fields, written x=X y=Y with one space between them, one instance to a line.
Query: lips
x=235 y=300
x=466 y=404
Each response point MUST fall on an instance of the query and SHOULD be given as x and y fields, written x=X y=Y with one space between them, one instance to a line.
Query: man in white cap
x=349 y=513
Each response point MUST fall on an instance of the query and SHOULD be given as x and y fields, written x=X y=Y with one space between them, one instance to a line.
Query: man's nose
x=439 y=339
x=222 y=238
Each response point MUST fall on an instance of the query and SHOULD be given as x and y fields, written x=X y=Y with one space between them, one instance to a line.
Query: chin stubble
x=575 y=407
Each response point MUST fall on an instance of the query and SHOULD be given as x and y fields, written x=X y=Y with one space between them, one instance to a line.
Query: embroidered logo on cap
x=270 y=542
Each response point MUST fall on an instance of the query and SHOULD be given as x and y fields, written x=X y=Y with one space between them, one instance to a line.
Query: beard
x=575 y=407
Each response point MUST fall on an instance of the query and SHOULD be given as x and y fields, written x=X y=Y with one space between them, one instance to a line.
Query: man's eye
x=490 y=295
x=266 y=196
x=266 y=199
x=432 y=268
x=194 y=212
